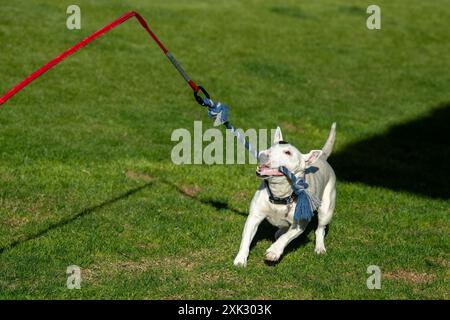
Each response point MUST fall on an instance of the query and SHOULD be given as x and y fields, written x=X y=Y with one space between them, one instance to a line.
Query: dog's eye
x=288 y=152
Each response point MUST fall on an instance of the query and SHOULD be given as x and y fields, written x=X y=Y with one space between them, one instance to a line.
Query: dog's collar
x=276 y=200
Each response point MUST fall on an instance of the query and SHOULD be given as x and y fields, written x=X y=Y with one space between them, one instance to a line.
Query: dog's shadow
x=267 y=232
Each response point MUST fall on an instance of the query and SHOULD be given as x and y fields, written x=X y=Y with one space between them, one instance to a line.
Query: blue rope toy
x=219 y=112
x=307 y=203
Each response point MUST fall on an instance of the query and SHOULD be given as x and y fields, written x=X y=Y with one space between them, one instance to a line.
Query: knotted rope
x=307 y=202
x=220 y=112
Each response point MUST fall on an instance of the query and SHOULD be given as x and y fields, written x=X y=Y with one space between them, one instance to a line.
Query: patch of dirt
x=138 y=176
x=9 y=285
x=87 y=275
x=147 y=245
x=241 y=196
x=174 y=262
x=108 y=269
x=134 y=266
x=211 y=277
x=16 y=222
x=23 y=211
x=409 y=276
x=443 y=262
x=439 y=261
x=291 y=127
x=5 y=176
x=190 y=190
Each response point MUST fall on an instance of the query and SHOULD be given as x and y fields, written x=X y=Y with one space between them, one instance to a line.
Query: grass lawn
x=86 y=176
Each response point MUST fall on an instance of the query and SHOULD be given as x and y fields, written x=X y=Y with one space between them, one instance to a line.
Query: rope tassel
x=217 y=111
x=307 y=202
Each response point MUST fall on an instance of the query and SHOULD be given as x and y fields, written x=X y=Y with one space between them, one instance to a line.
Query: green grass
x=85 y=172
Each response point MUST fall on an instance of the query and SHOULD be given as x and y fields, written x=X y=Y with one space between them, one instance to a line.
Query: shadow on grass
x=290 y=11
x=298 y=242
x=266 y=231
x=412 y=157
x=354 y=10
x=216 y=204
x=72 y=218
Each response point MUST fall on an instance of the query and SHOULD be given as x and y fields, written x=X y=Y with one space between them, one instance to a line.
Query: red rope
x=80 y=45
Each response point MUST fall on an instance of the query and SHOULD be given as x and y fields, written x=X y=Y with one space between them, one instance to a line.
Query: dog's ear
x=278 y=136
x=312 y=156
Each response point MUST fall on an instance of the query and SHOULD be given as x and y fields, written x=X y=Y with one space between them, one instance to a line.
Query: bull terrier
x=275 y=201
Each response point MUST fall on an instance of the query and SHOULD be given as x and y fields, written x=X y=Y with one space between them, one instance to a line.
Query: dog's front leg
x=251 y=225
x=276 y=249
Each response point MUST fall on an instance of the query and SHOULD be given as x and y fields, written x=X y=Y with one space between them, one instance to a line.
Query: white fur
x=282 y=216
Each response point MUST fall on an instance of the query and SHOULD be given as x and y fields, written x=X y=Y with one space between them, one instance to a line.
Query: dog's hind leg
x=276 y=249
x=325 y=213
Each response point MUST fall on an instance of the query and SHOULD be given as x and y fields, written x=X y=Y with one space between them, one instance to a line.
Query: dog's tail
x=328 y=146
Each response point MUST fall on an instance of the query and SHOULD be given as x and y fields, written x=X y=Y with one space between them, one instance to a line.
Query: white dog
x=274 y=200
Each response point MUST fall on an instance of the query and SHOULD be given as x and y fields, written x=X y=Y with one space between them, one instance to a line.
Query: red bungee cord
x=92 y=37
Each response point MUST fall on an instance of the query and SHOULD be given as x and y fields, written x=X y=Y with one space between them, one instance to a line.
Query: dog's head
x=284 y=154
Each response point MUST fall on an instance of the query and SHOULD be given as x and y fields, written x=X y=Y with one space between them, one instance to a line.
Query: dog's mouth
x=263 y=171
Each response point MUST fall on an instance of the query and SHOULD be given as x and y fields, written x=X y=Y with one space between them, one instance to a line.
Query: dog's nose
x=263 y=158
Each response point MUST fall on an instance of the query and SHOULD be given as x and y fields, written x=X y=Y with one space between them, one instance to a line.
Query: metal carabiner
x=198 y=98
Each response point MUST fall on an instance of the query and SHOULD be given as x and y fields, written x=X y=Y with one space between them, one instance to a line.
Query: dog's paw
x=320 y=250
x=272 y=256
x=240 y=261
